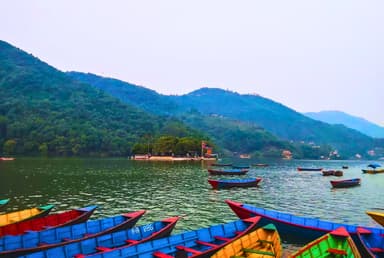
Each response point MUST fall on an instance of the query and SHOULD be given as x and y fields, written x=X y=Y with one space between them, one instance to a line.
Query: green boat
x=337 y=243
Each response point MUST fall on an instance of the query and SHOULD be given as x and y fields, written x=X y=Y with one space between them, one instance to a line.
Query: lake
x=180 y=188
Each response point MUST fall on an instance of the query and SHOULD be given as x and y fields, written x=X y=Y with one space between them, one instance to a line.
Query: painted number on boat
x=148 y=227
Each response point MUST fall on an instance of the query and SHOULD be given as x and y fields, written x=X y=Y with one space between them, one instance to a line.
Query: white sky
x=308 y=55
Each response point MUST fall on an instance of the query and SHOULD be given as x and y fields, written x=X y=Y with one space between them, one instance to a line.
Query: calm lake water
x=181 y=188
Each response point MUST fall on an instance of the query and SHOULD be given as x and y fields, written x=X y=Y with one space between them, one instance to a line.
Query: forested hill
x=230 y=135
x=276 y=118
x=43 y=110
x=259 y=111
x=144 y=98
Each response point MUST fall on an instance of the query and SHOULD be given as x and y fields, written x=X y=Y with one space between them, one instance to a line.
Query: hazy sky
x=309 y=55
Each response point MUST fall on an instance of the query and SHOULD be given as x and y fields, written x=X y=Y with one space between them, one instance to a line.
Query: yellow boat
x=263 y=242
x=17 y=216
x=377 y=216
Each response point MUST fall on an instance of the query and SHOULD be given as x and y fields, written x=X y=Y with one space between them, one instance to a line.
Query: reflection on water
x=181 y=188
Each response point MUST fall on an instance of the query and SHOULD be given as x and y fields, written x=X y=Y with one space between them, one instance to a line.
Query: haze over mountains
x=357 y=123
x=45 y=110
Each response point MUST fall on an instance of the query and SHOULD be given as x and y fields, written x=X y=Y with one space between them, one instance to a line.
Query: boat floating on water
x=309 y=169
x=50 y=221
x=110 y=242
x=298 y=229
x=337 y=243
x=345 y=183
x=233 y=171
x=34 y=241
x=229 y=183
x=377 y=216
x=202 y=242
x=264 y=241
x=23 y=215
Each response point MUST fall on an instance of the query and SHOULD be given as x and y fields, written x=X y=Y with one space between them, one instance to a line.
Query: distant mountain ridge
x=354 y=122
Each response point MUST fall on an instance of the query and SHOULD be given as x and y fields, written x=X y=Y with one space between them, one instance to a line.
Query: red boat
x=346 y=183
x=51 y=221
x=228 y=183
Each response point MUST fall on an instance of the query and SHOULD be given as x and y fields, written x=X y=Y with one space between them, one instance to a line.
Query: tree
x=9 y=147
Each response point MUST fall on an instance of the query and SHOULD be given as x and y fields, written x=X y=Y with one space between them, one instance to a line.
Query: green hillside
x=252 y=110
x=44 y=111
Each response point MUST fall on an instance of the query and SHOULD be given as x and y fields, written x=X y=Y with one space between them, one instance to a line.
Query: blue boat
x=33 y=241
x=202 y=242
x=233 y=171
x=372 y=242
x=229 y=183
x=300 y=230
x=113 y=241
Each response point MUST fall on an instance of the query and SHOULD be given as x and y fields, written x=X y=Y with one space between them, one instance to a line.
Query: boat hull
x=297 y=229
x=262 y=241
x=373 y=171
x=345 y=183
x=377 y=216
x=230 y=183
x=309 y=169
x=113 y=241
x=231 y=172
x=337 y=243
x=202 y=242
x=50 y=221
x=24 y=215
x=14 y=246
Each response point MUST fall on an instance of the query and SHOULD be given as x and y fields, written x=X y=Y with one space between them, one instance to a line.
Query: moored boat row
x=256 y=233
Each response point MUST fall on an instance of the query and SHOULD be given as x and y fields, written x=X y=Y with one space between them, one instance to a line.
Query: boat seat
x=246 y=250
x=377 y=250
x=159 y=254
x=187 y=249
x=265 y=241
x=222 y=238
x=336 y=251
x=131 y=241
x=206 y=243
x=103 y=249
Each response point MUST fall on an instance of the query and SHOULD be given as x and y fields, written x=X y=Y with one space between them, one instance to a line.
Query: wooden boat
x=113 y=241
x=377 y=216
x=338 y=173
x=337 y=243
x=262 y=242
x=33 y=241
x=228 y=183
x=202 y=242
x=222 y=164
x=328 y=172
x=17 y=216
x=233 y=171
x=3 y=202
x=345 y=183
x=50 y=221
x=309 y=169
x=373 y=171
x=297 y=229
x=371 y=242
